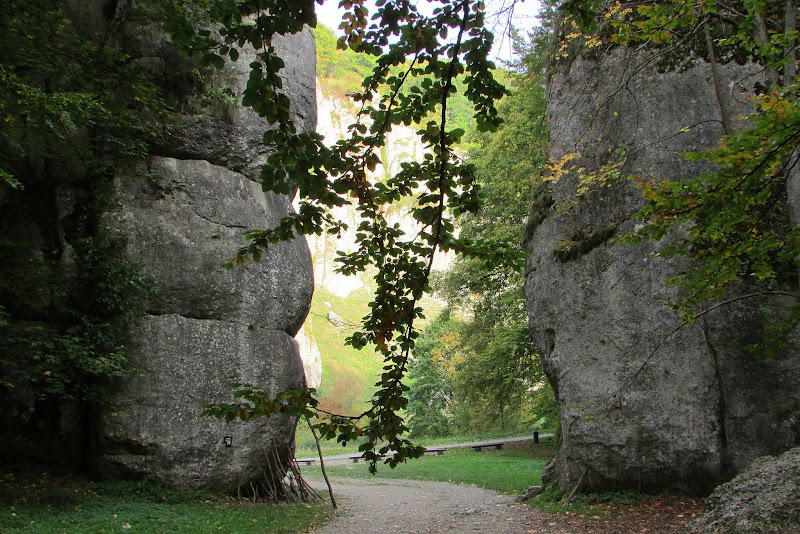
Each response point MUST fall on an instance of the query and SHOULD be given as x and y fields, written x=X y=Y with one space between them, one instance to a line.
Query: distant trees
x=344 y=69
x=482 y=370
x=430 y=396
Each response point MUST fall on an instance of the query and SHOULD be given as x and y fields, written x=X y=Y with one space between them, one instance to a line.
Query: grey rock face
x=208 y=326
x=760 y=499
x=187 y=222
x=645 y=402
x=185 y=364
x=217 y=130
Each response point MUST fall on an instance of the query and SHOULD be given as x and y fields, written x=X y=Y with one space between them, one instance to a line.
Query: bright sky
x=524 y=17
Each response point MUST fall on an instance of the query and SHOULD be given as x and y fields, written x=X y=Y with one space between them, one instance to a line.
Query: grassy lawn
x=507 y=471
x=45 y=504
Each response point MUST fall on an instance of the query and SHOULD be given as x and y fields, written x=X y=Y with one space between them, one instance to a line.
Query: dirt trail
x=413 y=506
x=420 y=507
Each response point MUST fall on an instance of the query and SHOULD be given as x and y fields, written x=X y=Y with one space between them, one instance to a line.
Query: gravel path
x=420 y=507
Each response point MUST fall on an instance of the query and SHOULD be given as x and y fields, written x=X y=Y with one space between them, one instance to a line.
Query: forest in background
x=475 y=367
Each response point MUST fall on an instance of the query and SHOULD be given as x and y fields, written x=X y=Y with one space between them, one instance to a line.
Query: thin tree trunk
x=760 y=33
x=322 y=463
x=790 y=69
x=712 y=58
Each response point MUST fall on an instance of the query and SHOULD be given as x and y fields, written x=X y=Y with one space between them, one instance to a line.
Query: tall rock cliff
x=403 y=144
x=181 y=212
x=646 y=403
x=208 y=327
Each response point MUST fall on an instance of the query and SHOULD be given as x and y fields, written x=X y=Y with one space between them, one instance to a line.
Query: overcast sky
x=525 y=17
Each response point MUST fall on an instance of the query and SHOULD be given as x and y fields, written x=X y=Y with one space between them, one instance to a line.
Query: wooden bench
x=479 y=448
x=438 y=451
x=357 y=457
x=307 y=461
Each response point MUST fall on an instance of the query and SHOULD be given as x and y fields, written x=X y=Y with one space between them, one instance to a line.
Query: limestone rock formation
x=310 y=354
x=208 y=326
x=760 y=499
x=645 y=402
x=403 y=144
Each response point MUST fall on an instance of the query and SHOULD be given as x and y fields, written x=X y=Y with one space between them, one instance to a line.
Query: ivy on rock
x=74 y=111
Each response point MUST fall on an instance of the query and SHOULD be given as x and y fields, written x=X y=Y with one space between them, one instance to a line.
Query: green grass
x=45 y=505
x=307 y=448
x=348 y=375
x=506 y=471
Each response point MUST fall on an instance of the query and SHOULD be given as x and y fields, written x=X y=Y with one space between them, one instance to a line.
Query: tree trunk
x=790 y=69
x=760 y=33
x=712 y=58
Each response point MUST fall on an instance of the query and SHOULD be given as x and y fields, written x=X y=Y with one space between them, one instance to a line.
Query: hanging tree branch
x=409 y=47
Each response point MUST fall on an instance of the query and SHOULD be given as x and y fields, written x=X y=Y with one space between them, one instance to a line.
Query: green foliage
x=66 y=99
x=340 y=71
x=483 y=372
x=348 y=374
x=325 y=177
x=50 y=505
x=477 y=376
x=430 y=391
x=740 y=31
x=738 y=223
x=253 y=401
x=74 y=111
x=80 y=348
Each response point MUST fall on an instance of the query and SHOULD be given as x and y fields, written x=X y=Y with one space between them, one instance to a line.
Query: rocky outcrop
x=761 y=499
x=310 y=354
x=208 y=326
x=646 y=403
